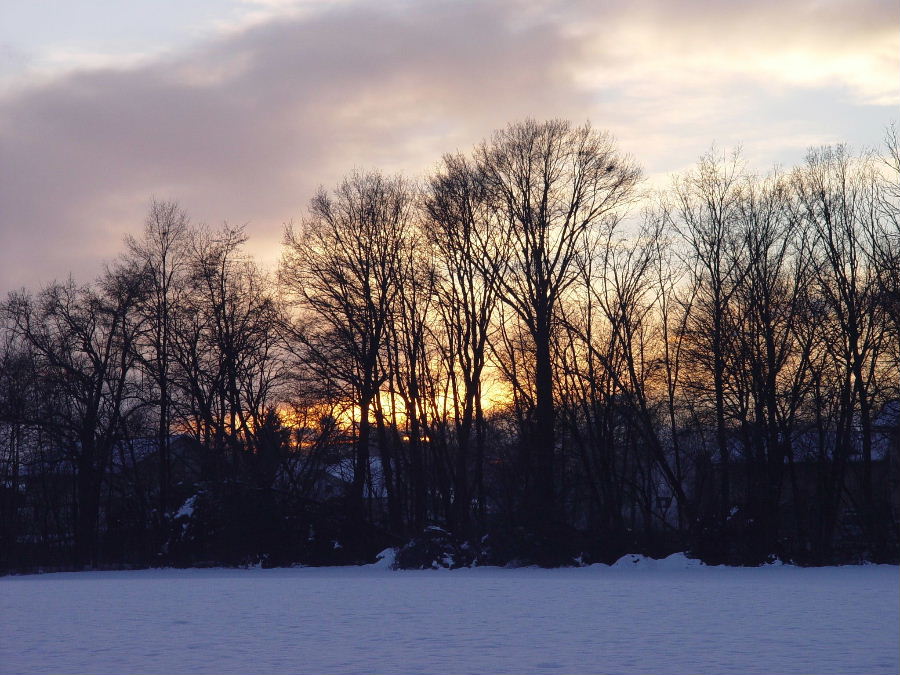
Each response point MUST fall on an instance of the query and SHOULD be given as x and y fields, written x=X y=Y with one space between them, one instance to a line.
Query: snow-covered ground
x=658 y=617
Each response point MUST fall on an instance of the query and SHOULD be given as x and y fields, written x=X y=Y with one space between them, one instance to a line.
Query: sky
x=240 y=109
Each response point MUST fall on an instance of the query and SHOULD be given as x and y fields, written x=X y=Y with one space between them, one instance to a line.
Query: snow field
x=638 y=616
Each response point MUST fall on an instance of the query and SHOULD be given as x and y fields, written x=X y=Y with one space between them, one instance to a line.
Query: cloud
x=793 y=44
x=245 y=126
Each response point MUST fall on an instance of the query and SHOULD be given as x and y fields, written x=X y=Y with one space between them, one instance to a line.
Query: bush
x=435 y=548
x=243 y=524
x=559 y=546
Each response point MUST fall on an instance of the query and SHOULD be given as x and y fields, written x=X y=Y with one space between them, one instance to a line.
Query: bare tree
x=707 y=216
x=162 y=255
x=886 y=237
x=227 y=346
x=553 y=185
x=84 y=341
x=343 y=267
x=458 y=224
x=614 y=365
x=769 y=359
x=835 y=201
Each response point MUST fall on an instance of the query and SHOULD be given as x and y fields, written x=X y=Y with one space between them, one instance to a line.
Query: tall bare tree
x=835 y=200
x=343 y=266
x=707 y=216
x=459 y=219
x=84 y=342
x=162 y=255
x=553 y=185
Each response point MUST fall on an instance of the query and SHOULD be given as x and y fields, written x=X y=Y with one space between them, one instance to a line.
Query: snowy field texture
x=645 y=617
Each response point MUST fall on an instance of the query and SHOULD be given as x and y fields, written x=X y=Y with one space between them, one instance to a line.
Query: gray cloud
x=246 y=126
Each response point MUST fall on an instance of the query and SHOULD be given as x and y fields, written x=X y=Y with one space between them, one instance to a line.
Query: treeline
x=524 y=357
